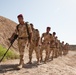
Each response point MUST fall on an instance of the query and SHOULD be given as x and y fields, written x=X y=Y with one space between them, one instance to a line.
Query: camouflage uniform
x=34 y=45
x=45 y=46
x=22 y=39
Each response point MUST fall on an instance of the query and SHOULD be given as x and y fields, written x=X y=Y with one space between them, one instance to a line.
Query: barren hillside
x=7 y=27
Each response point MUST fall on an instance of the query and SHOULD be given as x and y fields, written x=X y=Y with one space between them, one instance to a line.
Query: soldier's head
x=54 y=33
x=62 y=42
x=48 y=29
x=32 y=26
x=20 y=18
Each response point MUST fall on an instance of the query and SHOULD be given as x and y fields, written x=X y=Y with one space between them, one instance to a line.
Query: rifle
x=11 y=41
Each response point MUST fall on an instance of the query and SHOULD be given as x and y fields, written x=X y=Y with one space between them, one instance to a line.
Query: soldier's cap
x=48 y=27
x=20 y=15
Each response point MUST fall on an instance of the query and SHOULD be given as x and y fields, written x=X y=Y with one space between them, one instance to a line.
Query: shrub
x=10 y=54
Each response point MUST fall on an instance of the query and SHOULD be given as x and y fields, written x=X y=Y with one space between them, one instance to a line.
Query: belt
x=22 y=37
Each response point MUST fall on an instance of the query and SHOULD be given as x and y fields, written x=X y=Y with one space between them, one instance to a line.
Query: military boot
x=21 y=63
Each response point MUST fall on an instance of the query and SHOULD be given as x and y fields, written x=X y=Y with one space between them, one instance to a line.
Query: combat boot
x=20 y=64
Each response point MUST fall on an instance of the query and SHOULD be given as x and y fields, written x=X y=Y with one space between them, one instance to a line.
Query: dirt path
x=65 y=65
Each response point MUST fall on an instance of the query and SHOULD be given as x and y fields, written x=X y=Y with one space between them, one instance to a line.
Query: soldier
x=45 y=41
x=34 y=45
x=66 y=48
x=57 y=47
x=22 y=32
x=53 y=45
x=62 y=47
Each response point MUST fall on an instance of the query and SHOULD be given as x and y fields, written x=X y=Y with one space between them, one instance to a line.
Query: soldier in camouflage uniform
x=52 y=46
x=57 y=47
x=62 y=47
x=66 y=48
x=34 y=45
x=45 y=41
x=21 y=31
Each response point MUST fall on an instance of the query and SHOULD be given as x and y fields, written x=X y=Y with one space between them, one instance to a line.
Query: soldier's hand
x=30 y=41
x=9 y=39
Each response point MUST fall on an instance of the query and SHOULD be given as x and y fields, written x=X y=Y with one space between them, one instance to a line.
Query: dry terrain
x=65 y=65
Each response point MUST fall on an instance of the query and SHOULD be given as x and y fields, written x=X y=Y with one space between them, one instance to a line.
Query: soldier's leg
x=53 y=53
x=37 y=51
x=41 y=50
x=50 y=51
x=30 y=54
x=21 y=45
x=64 y=52
x=47 y=53
x=56 y=53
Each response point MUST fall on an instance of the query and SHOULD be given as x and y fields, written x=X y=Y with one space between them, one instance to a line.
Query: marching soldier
x=57 y=47
x=52 y=46
x=34 y=45
x=66 y=48
x=45 y=41
x=62 y=47
x=22 y=32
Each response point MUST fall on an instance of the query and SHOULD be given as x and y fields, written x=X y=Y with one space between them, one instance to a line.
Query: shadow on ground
x=13 y=67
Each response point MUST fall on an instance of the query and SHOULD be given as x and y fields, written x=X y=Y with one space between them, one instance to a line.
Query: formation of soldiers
x=46 y=47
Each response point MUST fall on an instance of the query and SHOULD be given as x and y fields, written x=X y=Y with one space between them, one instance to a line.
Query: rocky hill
x=7 y=27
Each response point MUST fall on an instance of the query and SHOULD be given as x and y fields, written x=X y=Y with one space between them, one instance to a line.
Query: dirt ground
x=65 y=65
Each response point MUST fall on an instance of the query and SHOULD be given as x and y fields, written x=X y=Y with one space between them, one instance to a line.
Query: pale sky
x=60 y=15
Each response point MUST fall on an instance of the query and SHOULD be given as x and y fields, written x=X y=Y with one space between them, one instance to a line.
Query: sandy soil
x=65 y=65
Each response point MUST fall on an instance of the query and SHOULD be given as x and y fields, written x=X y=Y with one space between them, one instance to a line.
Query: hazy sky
x=60 y=15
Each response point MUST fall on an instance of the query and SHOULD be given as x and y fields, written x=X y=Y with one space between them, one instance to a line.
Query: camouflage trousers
x=46 y=47
x=21 y=46
x=57 y=52
x=33 y=47
x=52 y=52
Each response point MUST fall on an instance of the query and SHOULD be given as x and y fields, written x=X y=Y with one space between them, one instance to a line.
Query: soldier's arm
x=42 y=37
